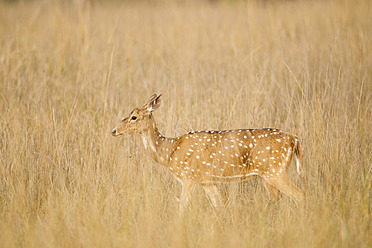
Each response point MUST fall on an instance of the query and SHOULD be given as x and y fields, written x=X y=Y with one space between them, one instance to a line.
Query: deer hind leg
x=274 y=193
x=287 y=187
x=213 y=195
x=187 y=189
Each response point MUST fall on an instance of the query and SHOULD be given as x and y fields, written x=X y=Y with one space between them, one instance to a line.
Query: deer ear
x=154 y=103
x=152 y=98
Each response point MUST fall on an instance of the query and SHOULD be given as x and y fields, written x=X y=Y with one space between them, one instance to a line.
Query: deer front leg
x=187 y=189
x=213 y=195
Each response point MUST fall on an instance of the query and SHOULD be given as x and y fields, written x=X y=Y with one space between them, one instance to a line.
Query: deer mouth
x=115 y=133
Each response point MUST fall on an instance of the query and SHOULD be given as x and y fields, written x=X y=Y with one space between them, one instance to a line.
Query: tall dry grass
x=67 y=75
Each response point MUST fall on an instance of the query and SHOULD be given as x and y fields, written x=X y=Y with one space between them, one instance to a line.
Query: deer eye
x=134 y=117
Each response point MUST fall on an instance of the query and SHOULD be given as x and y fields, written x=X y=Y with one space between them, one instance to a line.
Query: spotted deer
x=205 y=157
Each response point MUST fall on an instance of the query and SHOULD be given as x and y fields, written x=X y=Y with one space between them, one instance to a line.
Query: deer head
x=139 y=119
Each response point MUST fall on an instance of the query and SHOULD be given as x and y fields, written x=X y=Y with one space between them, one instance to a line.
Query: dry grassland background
x=69 y=73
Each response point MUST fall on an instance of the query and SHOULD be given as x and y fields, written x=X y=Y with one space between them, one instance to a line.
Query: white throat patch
x=146 y=143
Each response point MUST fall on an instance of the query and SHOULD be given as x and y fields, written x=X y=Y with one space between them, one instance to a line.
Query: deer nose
x=113 y=132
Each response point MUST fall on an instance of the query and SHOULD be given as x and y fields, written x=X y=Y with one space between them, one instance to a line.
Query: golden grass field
x=68 y=74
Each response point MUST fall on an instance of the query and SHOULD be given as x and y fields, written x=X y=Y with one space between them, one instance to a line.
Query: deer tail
x=299 y=155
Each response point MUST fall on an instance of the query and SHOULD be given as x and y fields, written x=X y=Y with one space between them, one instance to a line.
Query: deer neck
x=156 y=144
